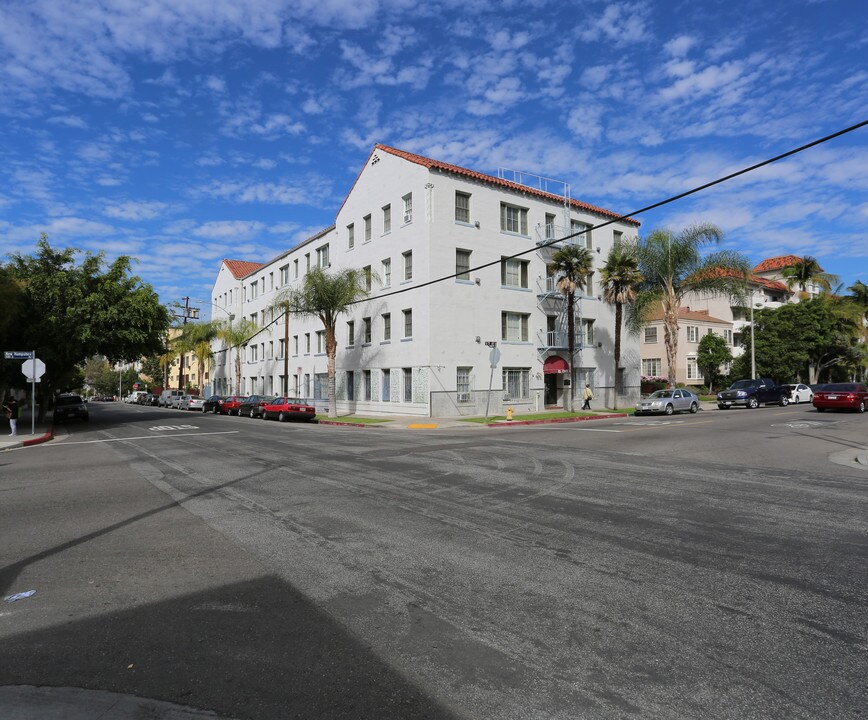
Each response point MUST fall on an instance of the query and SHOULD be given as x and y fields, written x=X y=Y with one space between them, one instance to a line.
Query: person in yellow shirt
x=587 y=396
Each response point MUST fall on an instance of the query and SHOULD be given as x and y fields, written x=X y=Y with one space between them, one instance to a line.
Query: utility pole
x=189 y=313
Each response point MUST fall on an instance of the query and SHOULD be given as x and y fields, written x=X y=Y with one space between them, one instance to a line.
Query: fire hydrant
x=509 y=413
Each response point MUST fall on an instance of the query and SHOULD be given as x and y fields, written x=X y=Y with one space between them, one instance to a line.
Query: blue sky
x=185 y=131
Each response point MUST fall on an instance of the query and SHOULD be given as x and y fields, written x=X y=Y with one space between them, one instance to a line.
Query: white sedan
x=799 y=392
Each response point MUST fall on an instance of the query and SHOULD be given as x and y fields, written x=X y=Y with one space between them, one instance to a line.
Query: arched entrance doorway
x=555 y=368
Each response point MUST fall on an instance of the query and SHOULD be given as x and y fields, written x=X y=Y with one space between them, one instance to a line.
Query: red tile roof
x=685 y=313
x=756 y=280
x=777 y=263
x=457 y=170
x=241 y=268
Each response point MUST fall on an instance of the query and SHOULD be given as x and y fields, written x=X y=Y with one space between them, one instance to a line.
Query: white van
x=167 y=395
x=133 y=397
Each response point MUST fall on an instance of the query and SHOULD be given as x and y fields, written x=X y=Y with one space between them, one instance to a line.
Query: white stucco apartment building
x=416 y=346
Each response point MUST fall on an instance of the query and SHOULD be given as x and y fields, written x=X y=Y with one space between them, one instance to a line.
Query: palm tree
x=859 y=296
x=571 y=264
x=197 y=338
x=235 y=335
x=620 y=276
x=672 y=266
x=326 y=296
x=806 y=272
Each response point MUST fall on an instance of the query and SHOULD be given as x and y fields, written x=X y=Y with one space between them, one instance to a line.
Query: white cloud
x=229 y=230
x=212 y=82
x=621 y=23
x=679 y=47
x=72 y=121
x=132 y=210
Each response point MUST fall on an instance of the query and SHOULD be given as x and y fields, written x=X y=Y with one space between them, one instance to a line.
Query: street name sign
x=18 y=354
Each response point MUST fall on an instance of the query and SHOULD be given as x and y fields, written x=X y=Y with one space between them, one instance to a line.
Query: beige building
x=191 y=376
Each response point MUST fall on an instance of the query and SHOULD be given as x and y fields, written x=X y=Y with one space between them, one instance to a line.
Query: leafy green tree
x=326 y=296
x=859 y=297
x=571 y=265
x=807 y=271
x=152 y=367
x=234 y=336
x=672 y=267
x=620 y=276
x=713 y=352
x=74 y=307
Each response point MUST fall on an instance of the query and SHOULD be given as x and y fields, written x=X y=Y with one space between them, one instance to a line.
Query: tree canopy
x=713 y=352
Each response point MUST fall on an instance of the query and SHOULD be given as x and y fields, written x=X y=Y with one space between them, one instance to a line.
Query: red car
x=842 y=396
x=288 y=408
x=230 y=404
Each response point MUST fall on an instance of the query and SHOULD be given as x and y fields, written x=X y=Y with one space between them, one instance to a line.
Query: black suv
x=70 y=406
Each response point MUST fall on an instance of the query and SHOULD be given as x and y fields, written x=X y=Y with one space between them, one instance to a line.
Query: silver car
x=668 y=402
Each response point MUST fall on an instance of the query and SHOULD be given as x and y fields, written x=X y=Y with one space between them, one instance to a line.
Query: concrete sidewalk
x=44 y=432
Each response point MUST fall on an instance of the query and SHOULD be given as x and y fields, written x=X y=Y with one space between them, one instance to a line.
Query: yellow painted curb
x=419 y=425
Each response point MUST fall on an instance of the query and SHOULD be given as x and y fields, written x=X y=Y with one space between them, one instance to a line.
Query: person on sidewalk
x=11 y=410
x=587 y=396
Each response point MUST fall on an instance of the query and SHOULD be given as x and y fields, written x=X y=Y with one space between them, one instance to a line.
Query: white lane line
x=140 y=437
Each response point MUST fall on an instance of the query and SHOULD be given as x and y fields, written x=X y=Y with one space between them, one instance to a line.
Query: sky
x=182 y=132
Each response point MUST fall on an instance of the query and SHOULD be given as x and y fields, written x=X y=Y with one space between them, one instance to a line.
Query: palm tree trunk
x=331 y=353
x=670 y=339
x=286 y=350
x=238 y=369
x=571 y=345
x=619 y=310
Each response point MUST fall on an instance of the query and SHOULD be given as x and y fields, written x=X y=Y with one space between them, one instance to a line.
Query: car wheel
x=694 y=408
x=784 y=401
x=721 y=407
x=821 y=409
x=752 y=403
x=861 y=407
x=252 y=413
x=796 y=400
x=280 y=417
x=669 y=410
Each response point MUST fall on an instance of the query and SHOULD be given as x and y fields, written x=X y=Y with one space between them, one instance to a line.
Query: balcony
x=558 y=340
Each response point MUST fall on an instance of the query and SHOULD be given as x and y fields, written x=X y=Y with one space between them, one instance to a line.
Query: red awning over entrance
x=555 y=364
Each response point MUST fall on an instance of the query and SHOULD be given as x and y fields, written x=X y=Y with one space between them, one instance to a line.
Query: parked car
x=230 y=404
x=212 y=404
x=753 y=393
x=252 y=405
x=668 y=402
x=175 y=401
x=194 y=402
x=133 y=397
x=288 y=408
x=70 y=407
x=799 y=392
x=842 y=396
x=167 y=395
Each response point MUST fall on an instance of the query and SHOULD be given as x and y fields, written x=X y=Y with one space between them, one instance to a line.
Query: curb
x=339 y=423
x=49 y=435
x=554 y=421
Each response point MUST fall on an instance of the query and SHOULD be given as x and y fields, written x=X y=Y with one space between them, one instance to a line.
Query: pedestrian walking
x=587 y=396
x=10 y=408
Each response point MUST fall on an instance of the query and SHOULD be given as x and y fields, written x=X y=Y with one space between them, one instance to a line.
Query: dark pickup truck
x=753 y=393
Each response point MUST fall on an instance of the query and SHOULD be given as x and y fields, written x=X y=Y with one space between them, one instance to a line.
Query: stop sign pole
x=33 y=368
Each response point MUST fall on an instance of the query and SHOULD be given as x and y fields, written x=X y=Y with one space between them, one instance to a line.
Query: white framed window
x=281 y=348
x=408 y=265
x=320 y=341
x=387 y=219
x=367 y=220
x=516 y=383
x=587 y=332
x=284 y=275
x=513 y=219
x=307 y=343
x=307 y=262
x=270 y=349
x=366 y=330
x=295 y=269
x=387 y=385
x=270 y=281
x=462 y=264
x=550 y=226
x=295 y=345
x=692 y=368
x=387 y=327
x=513 y=327
x=367 y=271
x=727 y=335
x=462 y=206
x=408 y=323
x=254 y=353
x=322 y=256
x=513 y=273
x=408 y=207
x=652 y=367
x=351 y=236
x=351 y=385
x=462 y=384
x=408 y=384
x=651 y=335
x=584 y=239
x=692 y=333
x=351 y=332
x=366 y=383
x=387 y=272
x=254 y=290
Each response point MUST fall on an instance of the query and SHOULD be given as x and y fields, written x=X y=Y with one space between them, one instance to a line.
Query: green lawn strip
x=354 y=419
x=536 y=416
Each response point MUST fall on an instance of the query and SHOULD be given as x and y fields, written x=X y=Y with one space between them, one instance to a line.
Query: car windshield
x=69 y=400
x=741 y=384
x=840 y=387
x=661 y=394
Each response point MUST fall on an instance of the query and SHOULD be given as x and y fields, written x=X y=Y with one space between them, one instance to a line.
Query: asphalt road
x=706 y=566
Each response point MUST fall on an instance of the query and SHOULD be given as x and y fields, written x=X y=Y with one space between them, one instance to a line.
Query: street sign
x=18 y=354
x=33 y=368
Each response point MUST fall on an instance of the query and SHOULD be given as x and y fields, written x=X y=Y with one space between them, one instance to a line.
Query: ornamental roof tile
x=241 y=268
x=685 y=313
x=777 y=263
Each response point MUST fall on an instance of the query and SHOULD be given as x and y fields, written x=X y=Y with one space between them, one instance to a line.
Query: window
x=307 y=343
x=516 y=383
x=513 y=327
x=387 y=327
x=366 y=378
x=270 y=349
x=387 y=219
x=351 y=385
x=550 y=226
x=254 y=353
x=351 y=236
x=652 y=367
x=408 y=385
x=367 y=220
x=462 y=207
x=320 y=386
x=579 y=227
x=462 y=383
x=727 y=335
x=408 y=265
x=513 y=273
x=270 y=281
x=408 y=208
x=651 y=334
x=367 y=271
x=307 y=262
x=351 y=333
x=387 y=272
x=322 y=257
x=320 y=341
x=254 y=290
x=366 y=330
x=408 y=323
x=281 y=349
x=295 y=344
x=617 y=236
x=513 y=219
x=306 y=385
x=387 y=385
x=692 y=369
x=588 y=331
x=262 y=317
x=284 y=275
x=462 y=264
x=692 y=333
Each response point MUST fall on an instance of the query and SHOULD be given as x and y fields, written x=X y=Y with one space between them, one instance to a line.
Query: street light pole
x=752 y=343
